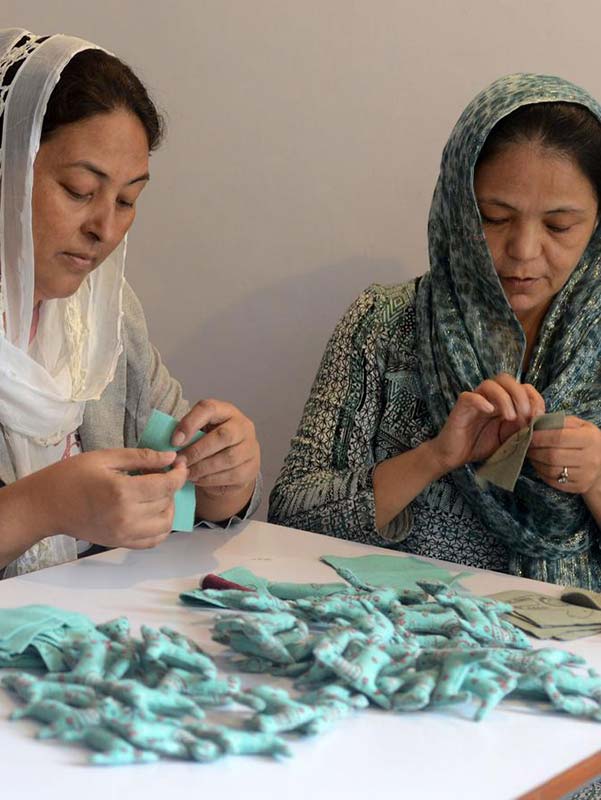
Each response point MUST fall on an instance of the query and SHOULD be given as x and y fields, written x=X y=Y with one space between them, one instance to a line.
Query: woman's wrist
x=440 y=462
x=25 y=516
x=398 y=480
x=592 y=498
x=214 y=507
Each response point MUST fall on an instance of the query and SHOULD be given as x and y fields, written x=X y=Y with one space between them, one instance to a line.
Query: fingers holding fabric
x=470 y=433
x=537 y=401
x=156 y=486
x=568 y=459
x=228 y=455
x=513 y=401
x=91 y=496
x=483 y=419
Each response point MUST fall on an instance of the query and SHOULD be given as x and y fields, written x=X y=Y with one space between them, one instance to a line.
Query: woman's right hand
x=483 y=419
x=91 y=496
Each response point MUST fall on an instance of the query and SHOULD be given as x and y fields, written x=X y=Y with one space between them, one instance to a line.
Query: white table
x=431 y=754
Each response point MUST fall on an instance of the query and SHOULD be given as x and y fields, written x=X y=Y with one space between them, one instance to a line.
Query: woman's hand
x=483 y=419
x=577 y=447
x=91 y=496
x=225 y=461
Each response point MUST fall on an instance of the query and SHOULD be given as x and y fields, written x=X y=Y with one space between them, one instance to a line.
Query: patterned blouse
x=365 y=407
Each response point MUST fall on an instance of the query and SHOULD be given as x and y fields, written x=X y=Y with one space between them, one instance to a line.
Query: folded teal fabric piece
x=19 y=627
x=280 y=590
x=157 y=436
x=245 y=577
x=396 y=572
x=30 y=635
x=29 y=660
x=298 y=591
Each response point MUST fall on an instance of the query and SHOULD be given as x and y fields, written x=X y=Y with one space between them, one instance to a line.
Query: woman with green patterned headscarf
x=423 y=381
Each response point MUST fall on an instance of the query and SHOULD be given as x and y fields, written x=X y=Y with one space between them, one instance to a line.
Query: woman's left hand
x=227 y=458
x=575 y=447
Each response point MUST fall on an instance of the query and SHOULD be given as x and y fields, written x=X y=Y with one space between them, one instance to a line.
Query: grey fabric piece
x=141 y=383
x=504 y=466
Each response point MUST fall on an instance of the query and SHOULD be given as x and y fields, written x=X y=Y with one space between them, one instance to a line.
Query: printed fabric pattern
x=366 y=406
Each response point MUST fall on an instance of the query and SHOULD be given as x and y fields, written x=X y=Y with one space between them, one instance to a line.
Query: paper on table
x=157 y=436
x=549 y=617
x=546 y=611
x=563 y=634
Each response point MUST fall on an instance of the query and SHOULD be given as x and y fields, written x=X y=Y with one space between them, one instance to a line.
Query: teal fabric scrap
x=28 y=634
x=157 y=436
x=297 y=591
x=134 y=701
x=244 y=577
x=378 y=647
x=396 y=572
x=140 y=699
x=283 y=590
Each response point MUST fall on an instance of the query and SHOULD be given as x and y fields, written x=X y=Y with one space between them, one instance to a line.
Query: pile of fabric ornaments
x=135 y=700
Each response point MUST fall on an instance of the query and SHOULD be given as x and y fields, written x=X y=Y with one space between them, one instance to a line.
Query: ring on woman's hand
x=563 y=476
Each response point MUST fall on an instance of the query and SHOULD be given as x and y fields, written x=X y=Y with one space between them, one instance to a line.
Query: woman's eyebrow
x=102 y=175
x=566 y=210
x=494 y=201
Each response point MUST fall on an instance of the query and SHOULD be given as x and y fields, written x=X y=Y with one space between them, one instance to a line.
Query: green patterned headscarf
x=467 y=332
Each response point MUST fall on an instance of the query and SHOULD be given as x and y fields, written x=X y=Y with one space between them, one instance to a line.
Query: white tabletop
x=428 y=754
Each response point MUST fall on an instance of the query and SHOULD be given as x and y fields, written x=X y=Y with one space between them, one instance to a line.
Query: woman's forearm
x=398 y=480
x=24 y=517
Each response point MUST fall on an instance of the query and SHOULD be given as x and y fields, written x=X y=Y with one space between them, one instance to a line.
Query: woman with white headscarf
x=78 y=375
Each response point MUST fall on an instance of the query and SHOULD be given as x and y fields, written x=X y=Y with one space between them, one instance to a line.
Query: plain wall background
x=303 y=146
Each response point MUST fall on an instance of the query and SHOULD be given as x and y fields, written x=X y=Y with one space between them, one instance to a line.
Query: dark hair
x=569 y=129
x=94 y=82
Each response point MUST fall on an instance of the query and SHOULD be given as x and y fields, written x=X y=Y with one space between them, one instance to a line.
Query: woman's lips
x=80 y=261
x=519 y=283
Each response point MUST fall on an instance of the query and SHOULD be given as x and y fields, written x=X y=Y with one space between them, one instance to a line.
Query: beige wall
x=303 y=146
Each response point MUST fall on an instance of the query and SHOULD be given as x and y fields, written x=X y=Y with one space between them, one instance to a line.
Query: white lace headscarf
x=43 y=391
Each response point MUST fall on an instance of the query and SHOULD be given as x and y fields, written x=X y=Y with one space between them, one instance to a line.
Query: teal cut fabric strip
x=277 y=589
x=30 y=635
x=298 y=591
x=396 y=572
x=282 y=590
x=20 y=626
x=245 y=577
x=157 y=436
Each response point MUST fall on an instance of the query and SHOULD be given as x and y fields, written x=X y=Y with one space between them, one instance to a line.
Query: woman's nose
x=524 y=241
x=100 y=224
